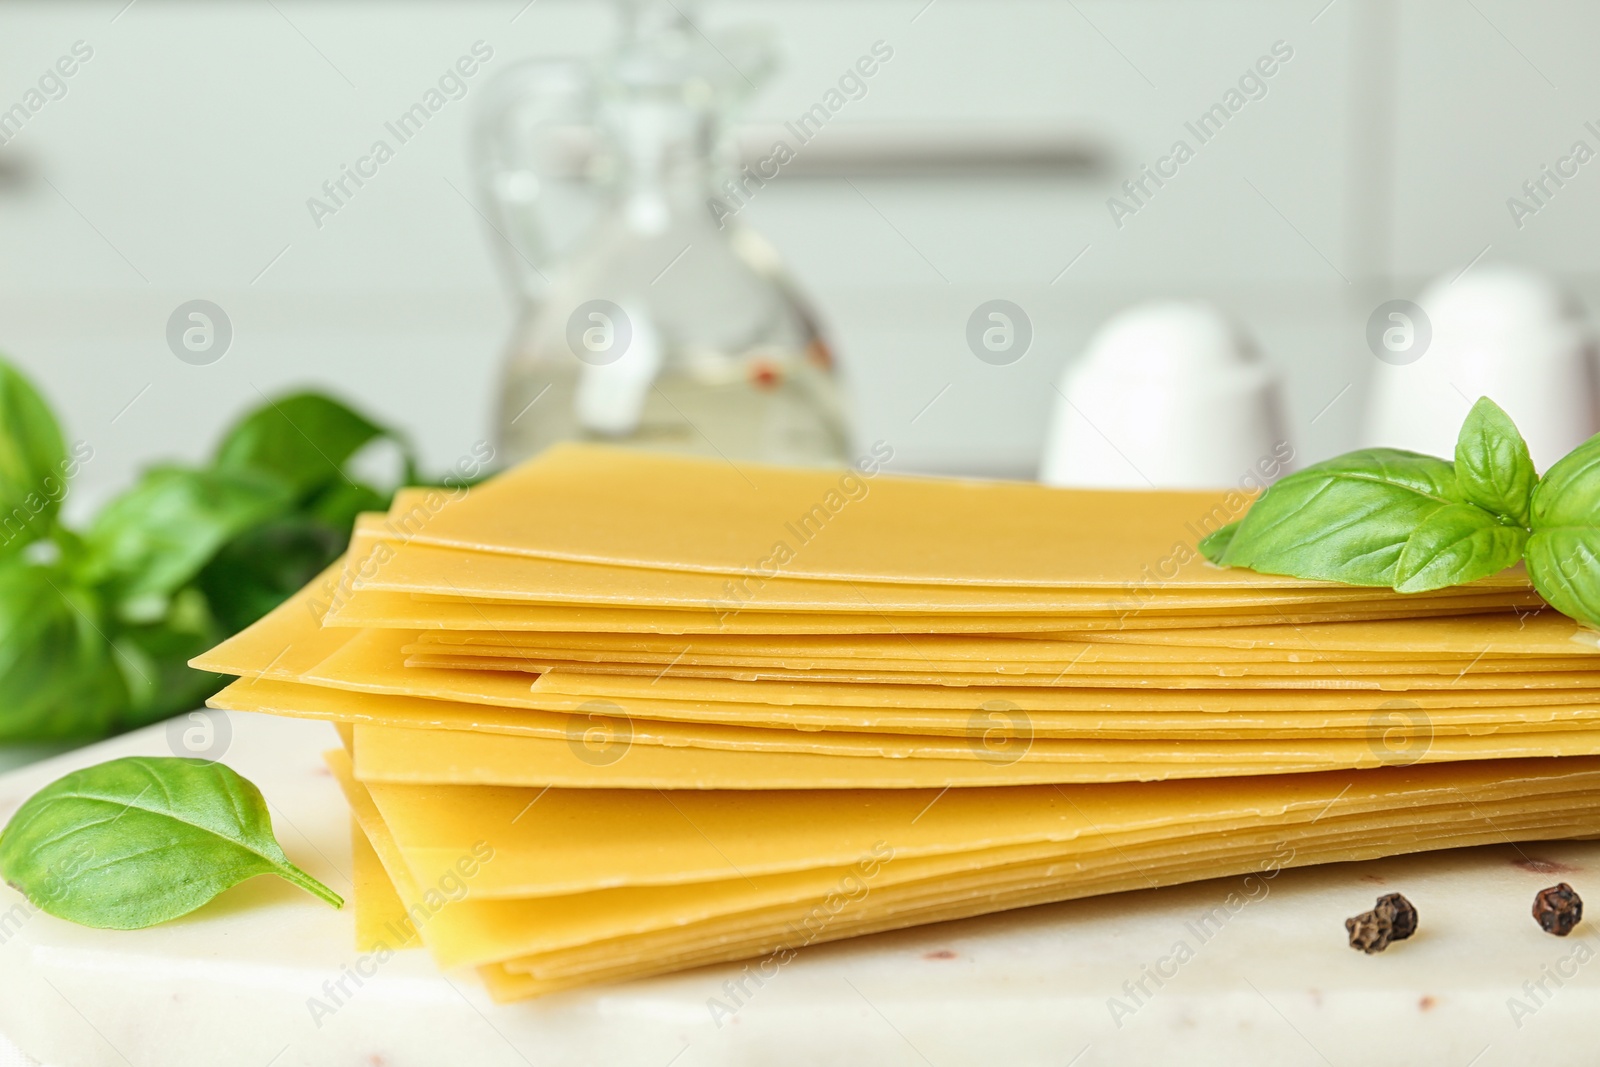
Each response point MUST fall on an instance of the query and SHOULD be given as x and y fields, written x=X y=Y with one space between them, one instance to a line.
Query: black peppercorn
x=1392 y=918
x=1557 y=909
x=1402 y=915
x=1368 y=932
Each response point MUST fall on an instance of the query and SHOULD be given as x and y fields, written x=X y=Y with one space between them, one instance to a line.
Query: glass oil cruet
x=649 y=316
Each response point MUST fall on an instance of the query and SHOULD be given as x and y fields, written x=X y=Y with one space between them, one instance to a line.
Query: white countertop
x=1273 y=984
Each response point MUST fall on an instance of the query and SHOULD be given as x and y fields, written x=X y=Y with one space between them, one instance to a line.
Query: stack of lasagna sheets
x=614 y=714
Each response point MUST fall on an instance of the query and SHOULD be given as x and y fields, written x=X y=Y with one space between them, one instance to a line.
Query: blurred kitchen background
x=1378 y=157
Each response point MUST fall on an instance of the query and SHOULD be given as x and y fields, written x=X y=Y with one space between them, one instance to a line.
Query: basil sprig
x=97 y=625
x=141 y=840
x=1563 y=552
x=1493 y=465
x=34 y=464
x=1414 y=523
x=59 y=677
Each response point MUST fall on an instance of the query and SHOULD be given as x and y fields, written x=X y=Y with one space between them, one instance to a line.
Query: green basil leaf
x=1563 y=552
x=1214 y=545
x=1493 y=466
x=338 y=505
x=1456 y=544
x=155 y=538
x=305 y=439
x=1344 y=520
x=1569 y=492
x=59 y=677
x=156 y=657
x=1564 y=563
x=262 y=567
x=141 y=840
x=33 y=462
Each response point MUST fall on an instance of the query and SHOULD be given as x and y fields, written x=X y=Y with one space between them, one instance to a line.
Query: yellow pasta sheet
x=828 y=919
x=290 y=638
x=993 y=737
x=365 y=607
x=1051 y=660
x=932 y=675
x=620 y=926
x=609 y=759
x=783 y=931
x=592 y=924
x=373 y=664
x=1459 y=640
x=558 y=841
x=1540 y=633
x=585 y=685
x=584 y=503
x=380 y=917
x=287 y=645
x=381 y=561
